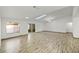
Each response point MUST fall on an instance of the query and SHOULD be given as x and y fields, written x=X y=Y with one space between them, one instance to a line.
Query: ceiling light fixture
x=26 y=17
x=42 y=16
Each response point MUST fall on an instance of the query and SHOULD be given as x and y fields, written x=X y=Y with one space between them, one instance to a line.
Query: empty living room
x=39 y=29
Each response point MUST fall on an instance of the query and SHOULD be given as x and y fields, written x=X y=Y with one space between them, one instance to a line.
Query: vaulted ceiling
x=36 y=12
x=27 y=11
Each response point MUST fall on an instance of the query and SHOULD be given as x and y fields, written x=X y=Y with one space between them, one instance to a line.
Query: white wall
x=69 y=27
x=0 y=31
x=23 y=27
x=76 y=22
x=59 y=25
x=76 y=27
x=39 y=27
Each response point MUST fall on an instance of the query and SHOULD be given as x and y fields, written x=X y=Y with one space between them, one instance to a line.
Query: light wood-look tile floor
x=42 y=42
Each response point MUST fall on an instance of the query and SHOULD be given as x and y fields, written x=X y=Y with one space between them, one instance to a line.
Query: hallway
x=42 y=42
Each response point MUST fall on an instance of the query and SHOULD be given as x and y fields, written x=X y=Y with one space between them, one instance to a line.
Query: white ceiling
x=62 y=13
x=27 y=11
x=66 y=12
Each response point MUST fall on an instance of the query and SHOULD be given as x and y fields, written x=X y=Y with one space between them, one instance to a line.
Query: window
x=12 y=27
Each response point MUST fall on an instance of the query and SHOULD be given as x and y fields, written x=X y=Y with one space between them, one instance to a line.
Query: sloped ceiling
x=27 y=11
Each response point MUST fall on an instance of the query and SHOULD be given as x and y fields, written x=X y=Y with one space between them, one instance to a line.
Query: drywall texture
x=23 y=27
x=76 y=22
x=0 y=32
x=59 y=25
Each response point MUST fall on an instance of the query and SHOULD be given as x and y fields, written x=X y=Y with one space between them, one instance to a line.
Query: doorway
x=31 y=28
